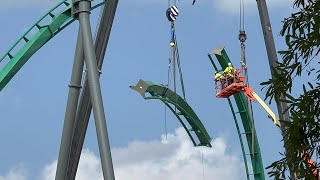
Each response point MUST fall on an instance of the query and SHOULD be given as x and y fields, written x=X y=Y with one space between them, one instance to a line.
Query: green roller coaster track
x=168 y=97
x=241 y=101
x=61 y=16
x=45 y=32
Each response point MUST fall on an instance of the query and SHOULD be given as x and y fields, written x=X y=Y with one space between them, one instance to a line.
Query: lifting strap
x=177 y=58
x=172 y=13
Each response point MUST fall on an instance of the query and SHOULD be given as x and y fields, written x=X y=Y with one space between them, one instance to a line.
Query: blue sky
x=32 y=105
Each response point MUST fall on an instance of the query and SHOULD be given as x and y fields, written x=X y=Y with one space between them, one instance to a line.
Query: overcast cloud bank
x=171 y=159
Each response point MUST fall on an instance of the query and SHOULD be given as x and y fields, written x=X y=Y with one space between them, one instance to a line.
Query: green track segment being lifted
x=168 y=97
x=60 y=17
x=241 y=101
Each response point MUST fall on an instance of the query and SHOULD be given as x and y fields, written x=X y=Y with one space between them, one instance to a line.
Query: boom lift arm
x=253 y=96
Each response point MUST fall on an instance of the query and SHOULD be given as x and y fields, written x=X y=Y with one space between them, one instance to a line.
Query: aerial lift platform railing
x=226 y=88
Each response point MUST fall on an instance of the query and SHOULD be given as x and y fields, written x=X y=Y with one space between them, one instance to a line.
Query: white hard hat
x=229 y=64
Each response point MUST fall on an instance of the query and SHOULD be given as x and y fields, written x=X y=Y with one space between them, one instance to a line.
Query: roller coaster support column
x=95 y=91
x=85 y=105
x=272 y=57
x=71 y=110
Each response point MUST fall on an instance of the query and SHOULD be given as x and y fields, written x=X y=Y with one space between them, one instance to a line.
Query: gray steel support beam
x=272 y=57
x=85 y=105
x=71 y=109
x=95 y=91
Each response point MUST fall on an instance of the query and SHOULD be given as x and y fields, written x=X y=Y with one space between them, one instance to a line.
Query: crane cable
x=169 y=80
x=177 y=58
x=165 y=106
x=202 y=161
x=172 y=13
x=242 y=39
x=241 y=15
x=171 y=57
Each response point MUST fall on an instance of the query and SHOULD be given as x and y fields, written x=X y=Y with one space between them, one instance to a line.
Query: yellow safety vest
x=218 y=75
x=229 y=71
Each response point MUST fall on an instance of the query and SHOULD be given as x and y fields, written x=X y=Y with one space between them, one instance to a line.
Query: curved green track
x=59 y=17
x=246 y=119
x=168 y=97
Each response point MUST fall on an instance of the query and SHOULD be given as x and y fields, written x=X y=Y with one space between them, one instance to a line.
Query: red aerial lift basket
x=230 y=85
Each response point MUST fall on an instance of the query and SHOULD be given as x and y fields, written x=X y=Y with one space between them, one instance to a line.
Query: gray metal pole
x=272 y=57
x=71 y=109
x=85 y=105
x=95 y=91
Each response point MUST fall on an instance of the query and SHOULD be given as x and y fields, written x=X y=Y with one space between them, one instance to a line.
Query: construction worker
x=229 y=72
x=218 y=77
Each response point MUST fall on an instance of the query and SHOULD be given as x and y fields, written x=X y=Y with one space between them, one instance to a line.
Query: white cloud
x=49 y=171
x=171 y=159
x=89 y=168
x=18 y=173
x=232 y=6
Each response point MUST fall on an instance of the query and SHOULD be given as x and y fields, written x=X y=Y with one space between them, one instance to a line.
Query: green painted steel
x=45 y=31
x=237 y=125
x=241 y=101
x=240 y=139
x=168 y=97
